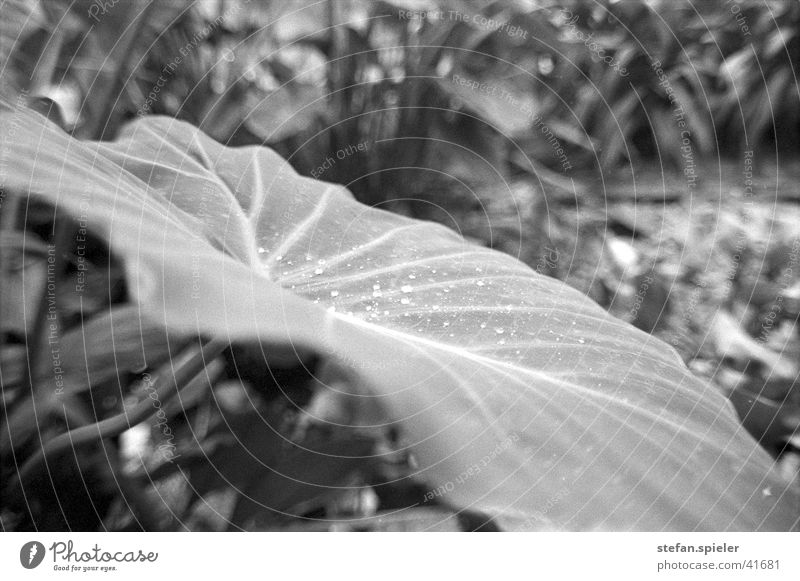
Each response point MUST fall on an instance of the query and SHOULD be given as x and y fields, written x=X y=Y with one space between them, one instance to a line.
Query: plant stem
x=115 y=425
x=110 y=97
x=35 y=345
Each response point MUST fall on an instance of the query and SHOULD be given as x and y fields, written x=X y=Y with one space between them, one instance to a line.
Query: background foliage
x=697 y=246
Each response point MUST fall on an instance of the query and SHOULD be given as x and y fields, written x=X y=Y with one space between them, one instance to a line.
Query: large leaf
x=517 y=395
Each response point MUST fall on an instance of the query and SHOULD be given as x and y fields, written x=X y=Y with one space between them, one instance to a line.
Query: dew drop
x=406 y=288
x=405 y=301
x=261 y=250
x=319 y=271
x=334 y=294
x=499 y=330
x=480 y=283
x=412 y=276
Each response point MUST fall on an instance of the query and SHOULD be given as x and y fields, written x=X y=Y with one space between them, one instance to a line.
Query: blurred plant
x=83 y=67
x=443 y=109
x=760 y=97
x=572 y=83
